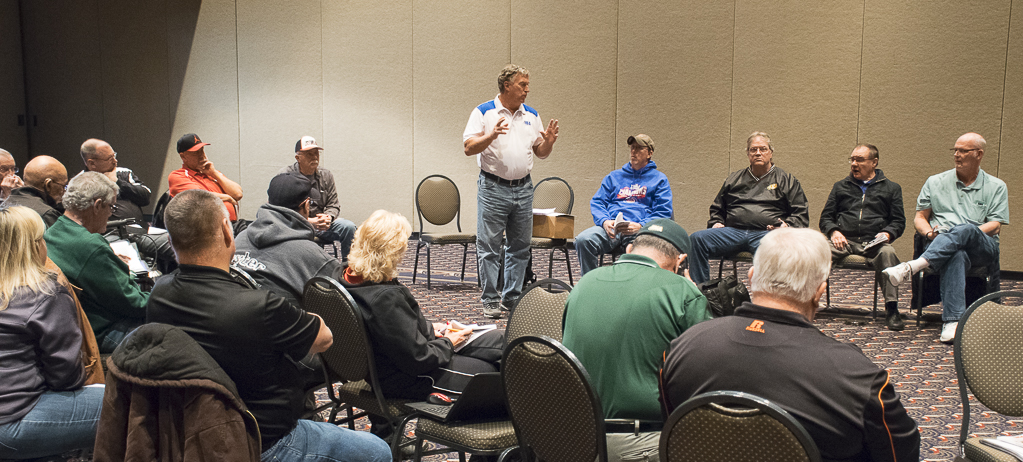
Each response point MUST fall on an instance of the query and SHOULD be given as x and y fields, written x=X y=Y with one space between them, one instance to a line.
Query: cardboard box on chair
x=555 y=226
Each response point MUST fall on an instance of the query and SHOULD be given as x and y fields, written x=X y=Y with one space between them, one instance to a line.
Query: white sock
x=918 y=265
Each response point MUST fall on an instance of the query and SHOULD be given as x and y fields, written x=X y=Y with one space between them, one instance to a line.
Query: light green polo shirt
x=953 y=203
x=619 y=320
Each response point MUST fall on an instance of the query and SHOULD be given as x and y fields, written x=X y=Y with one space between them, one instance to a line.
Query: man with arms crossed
x=504 y=134
x=254 y=335
x=960 y=212
x=324 y=207
x=638 y=191
x=619 y=321
x=864 y=207
x=751 y=202
x=770 y=348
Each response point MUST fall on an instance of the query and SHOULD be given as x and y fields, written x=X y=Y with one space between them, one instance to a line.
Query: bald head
x=47 y=175
x=98 y=156
x=4 y=155
x=974 y=140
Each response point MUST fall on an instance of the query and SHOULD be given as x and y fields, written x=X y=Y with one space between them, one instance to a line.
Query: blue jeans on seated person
x=109 y=339
x=320 y=441
x=592 y=243
x=341 y=231
x=60 y=421
x=952 y=254
x=717 y=243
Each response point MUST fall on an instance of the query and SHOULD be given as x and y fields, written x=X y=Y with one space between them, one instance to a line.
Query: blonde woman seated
x=44 y=410
x=413 y=359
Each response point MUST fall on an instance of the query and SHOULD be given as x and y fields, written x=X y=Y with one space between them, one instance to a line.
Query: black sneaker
x=894 y=321
x=492 y=310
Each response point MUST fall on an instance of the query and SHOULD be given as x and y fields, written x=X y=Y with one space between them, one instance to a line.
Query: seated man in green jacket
x=110 y=297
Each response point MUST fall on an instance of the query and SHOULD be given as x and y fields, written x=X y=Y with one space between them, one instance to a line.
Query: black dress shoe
x=894 y=321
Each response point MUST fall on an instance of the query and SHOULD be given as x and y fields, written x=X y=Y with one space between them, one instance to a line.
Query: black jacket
x=861 y=216
x=845 y=402
x=745 y=203
x=36 y=200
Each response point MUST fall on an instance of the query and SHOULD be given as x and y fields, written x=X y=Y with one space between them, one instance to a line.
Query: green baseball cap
x=670 y=231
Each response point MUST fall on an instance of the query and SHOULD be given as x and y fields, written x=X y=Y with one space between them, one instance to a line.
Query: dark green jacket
x=108 y=290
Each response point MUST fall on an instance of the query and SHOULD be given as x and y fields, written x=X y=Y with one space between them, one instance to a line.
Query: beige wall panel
x=931 y=72
x=675 y=84
x=203 y=83
x=797 y=67
x=367 y=109
x=280 y=89
x=570 y=48
x=1010 y=158
x=13 y=137
x=136 y=110
x=458 y=49
x=59 y=44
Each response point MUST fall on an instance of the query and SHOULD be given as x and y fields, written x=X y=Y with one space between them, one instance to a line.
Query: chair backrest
x=350 y=358
x=539 y=311
x=988 y=352
x=438 y=201
x=553 y=193
x=556 y=413
x=161 y=205
x=731 y=426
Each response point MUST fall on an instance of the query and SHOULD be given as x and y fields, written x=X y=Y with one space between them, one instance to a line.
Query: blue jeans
x=592 y=243
x=952 y=254
x=509 y=210
x=341 y=231
x=717 y=243
x=115 y=334
x=61 y=421
x=315 y=441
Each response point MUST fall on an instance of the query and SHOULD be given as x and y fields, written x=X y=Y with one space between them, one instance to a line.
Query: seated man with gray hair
x=770 y=348
x=110 y=296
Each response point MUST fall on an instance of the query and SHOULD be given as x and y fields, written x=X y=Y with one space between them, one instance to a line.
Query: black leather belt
x=503 y=181
x=632 y=426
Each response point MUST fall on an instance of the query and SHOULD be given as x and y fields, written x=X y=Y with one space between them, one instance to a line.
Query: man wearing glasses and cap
x=324 y=207
x=638 y=192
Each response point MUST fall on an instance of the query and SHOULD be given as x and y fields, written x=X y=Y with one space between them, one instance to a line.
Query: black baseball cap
x=190 y=142
x=288 y=190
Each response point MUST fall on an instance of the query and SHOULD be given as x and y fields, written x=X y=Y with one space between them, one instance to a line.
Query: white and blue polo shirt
x=510 y=156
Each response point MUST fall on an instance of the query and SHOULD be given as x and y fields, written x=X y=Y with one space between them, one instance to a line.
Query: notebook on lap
x=482 y=400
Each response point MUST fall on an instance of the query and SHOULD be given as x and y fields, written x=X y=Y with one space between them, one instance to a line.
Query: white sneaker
x=899 y=273
x=948 y=332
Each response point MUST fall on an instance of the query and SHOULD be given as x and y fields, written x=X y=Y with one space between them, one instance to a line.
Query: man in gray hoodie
x=277 y=249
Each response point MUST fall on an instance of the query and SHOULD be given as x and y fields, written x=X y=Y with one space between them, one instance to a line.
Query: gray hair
x=661 y=246
x=193 y=219
x=763 y=135
x=508 y=73
x=86 y=187
x=89 y=149
x=791 y=263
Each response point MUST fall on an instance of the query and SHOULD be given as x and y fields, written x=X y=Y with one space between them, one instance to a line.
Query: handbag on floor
x=724 y=295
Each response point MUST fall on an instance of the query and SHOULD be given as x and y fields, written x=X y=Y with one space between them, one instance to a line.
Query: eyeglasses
x=756 y=149
x=961 y=151
x=9 y=170
x=62 y=186
x=858 y=160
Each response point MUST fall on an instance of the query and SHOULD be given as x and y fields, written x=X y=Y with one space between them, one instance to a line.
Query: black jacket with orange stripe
x=847 y=404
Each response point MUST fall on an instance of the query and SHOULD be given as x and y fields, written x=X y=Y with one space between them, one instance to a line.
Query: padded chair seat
x=359 y=394
x=485 y=436
x=979 y=452
x=855 y=261
x=741 y=256
x=546 y=243
x=442 y=239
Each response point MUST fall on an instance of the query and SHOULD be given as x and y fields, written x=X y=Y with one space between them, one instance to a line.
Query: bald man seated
x=9 y=174
x=43 y=190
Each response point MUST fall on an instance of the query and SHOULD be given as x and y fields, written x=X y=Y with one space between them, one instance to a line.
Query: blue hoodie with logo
x=640 y=196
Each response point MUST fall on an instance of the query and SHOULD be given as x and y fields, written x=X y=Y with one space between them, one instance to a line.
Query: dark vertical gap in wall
x=102 y=69
x=731 y=91
x=25 y=83
x=509 y=32
x=412 y=55
x=1005 y=77
x=323 y=82
x=618 y=93
x=859 y=89
x=238 y=93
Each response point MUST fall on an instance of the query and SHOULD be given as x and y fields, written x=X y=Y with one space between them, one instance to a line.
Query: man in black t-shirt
x=256 y=336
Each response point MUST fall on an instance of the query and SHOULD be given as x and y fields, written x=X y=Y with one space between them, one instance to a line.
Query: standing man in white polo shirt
x=504 y=134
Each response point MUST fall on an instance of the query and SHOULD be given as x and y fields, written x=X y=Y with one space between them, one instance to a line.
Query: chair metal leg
x=428 y=267
x=465 y=254
x=568 y=264
x=877 y=283
x=415 y=266
x=828 y=291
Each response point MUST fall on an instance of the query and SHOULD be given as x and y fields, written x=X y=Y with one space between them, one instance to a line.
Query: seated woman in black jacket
x=413 y=357
x=44 y=410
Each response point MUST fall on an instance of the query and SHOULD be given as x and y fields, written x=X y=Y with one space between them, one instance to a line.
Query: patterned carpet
x=922 y=368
